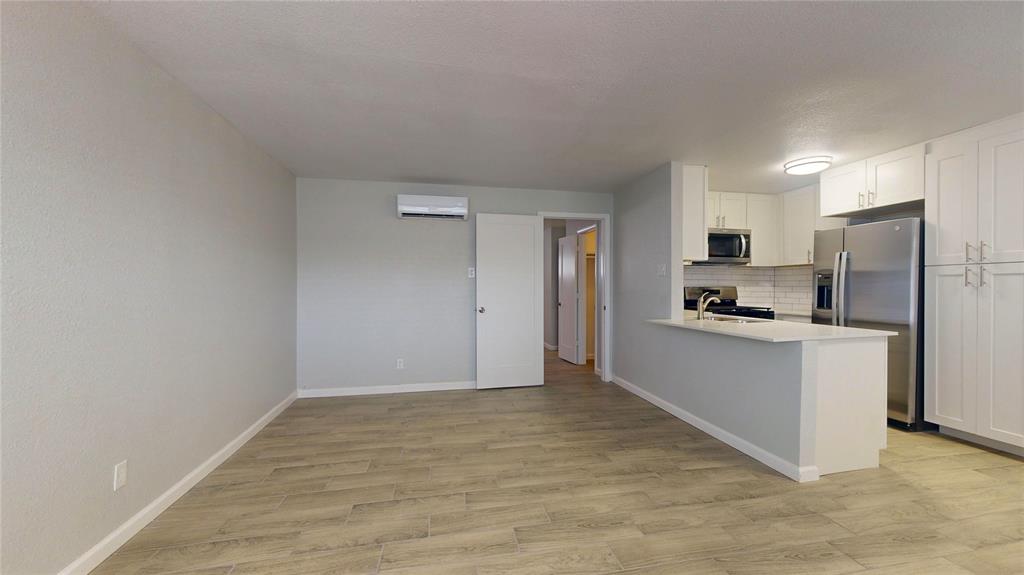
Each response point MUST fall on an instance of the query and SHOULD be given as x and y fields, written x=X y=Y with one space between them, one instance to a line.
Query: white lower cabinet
x=974 y=349
x=950 y=351
x=1001 y=352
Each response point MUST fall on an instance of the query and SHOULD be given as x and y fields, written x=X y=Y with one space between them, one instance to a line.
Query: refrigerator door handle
x=844 y=260
x=836 y=290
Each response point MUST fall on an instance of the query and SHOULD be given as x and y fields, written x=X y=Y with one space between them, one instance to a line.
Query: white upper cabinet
x=690 y=214
x=763 y=216
x=713 y=205
x=893 y=178
x=824 y=222
x=896 y=177
x=843 y=189
x=733 y=209
x=1001 y=198
x=1000 y=345
x=974 y=196
x=951 y=202
x=798 y=222
x=727 y=210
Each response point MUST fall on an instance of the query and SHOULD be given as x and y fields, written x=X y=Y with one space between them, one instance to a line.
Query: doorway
x=575 y=291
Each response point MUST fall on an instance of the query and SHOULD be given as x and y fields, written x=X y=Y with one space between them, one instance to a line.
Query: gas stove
x=728 y=304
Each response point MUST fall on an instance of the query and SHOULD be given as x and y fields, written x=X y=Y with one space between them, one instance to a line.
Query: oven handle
x=743 y=245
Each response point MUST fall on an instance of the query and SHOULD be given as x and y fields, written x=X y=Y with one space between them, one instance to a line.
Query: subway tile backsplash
x=785 y=289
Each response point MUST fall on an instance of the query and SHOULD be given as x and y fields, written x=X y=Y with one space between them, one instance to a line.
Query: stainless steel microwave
x=727 y=246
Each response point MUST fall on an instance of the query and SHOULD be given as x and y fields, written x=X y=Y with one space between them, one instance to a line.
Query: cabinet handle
x=860 y=200
x=967 y=277
x=981 y=276
x=871 y=201
x=967 y=251
x=808 y=256
x=981 y=252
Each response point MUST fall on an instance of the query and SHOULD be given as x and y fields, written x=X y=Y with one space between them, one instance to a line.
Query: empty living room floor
x=573 y=477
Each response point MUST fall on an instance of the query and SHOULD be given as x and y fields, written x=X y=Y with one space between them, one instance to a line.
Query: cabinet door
x=951 y=202
x=950 y=351
x=1001 y=352
x=798 y=220
x=1001 y=197
x=896 y=177
x=763 y=221
x=733 y=209
x=689 y=214
x=843 y=189
x=712 y=203
x=826 y=223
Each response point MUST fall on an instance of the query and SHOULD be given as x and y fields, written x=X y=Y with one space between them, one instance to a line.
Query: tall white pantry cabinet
x=974 y=281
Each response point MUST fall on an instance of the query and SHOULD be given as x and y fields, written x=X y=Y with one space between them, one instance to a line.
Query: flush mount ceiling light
x=811 y=165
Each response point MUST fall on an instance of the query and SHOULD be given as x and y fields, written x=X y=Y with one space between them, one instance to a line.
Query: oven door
x=729 y=246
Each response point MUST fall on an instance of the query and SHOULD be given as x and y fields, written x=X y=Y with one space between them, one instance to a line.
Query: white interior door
x=568 y=299
x=509 y=299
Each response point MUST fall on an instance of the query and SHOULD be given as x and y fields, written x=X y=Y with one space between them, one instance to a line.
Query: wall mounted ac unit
x=433 y=207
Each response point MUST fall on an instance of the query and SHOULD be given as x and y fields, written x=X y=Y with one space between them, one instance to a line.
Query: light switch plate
x=120 y=475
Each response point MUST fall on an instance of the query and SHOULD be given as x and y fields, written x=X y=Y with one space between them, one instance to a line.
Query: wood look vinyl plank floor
x=576 y=477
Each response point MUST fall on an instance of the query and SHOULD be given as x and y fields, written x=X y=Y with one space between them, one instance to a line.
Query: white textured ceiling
x=585 y=96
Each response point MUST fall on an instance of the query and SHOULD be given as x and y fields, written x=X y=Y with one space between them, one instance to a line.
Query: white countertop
x=774 y=331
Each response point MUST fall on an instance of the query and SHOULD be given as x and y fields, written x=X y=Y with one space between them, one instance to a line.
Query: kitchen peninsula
x=804 y=399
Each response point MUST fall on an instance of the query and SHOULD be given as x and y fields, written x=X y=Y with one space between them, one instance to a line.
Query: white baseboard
x=118 y=537
x=787 y=468
x=386 y=389
x=550 y=347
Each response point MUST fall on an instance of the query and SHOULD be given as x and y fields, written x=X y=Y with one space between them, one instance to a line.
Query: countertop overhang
x=772 y=331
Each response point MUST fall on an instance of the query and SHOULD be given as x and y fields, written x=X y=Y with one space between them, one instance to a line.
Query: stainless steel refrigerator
x=869 y=276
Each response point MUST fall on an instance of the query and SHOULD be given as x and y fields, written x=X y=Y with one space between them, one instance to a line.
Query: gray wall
x=148 y=272
x=695 y=371
x=373 y=288
x=642 y=243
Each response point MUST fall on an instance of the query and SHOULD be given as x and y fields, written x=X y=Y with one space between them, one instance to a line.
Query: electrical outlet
x=120 y=474
x=472 y=273
x=400 y=364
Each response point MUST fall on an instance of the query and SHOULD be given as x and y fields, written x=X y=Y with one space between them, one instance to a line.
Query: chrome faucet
x=703 y=303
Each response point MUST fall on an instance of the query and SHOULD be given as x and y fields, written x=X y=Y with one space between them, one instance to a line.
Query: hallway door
x=568 y=300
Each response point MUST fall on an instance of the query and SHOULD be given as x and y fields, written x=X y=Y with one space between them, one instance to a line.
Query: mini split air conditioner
x=433 y=207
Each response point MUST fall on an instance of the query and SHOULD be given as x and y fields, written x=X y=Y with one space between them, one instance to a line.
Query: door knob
x=481 y=310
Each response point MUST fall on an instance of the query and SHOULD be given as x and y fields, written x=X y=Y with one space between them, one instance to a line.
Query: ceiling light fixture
x=805 y=166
